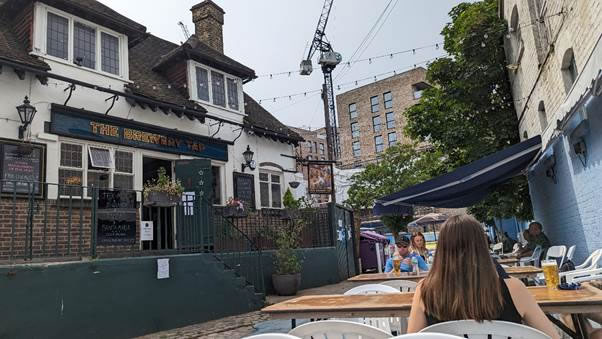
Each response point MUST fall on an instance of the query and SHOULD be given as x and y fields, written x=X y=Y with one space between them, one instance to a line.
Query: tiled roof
x=199 y=51
x=14 y=50
x=148 y=82
x=262 y=122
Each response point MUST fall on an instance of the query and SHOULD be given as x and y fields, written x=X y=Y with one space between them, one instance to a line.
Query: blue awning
x=401 y=210
x=468 y=184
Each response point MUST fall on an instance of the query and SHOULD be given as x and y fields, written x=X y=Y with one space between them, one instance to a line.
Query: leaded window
x=218 y=89
x=202 y=84
x=232 y=94
x=57 y=36
x=84 y=45
x=109 y=53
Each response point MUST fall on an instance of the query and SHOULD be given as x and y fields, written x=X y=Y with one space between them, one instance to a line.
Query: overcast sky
x=271 y=36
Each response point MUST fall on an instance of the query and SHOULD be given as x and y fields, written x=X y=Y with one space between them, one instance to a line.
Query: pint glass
x=550 y=272
x=396 y=265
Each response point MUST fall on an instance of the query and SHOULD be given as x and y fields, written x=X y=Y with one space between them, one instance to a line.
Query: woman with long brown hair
x=418 y=245
x=463 y=284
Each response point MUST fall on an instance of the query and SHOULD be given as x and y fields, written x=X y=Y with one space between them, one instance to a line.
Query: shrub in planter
x=162 y=191
x=235 y=208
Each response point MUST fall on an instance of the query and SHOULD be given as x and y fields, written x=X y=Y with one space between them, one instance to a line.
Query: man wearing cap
x=402 y=244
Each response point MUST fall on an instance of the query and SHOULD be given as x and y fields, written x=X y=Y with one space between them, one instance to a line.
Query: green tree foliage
x=469 y=111
x=401 y=166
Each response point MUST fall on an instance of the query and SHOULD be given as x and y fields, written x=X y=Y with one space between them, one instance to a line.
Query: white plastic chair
x=587 y=276
x=498 y=247
x=570 y=253
x=487 y=329
x=272 y=336
x=556 y=252
x=534 y=259
x=588 y=267
x=384 y=324
x=338 y=329
x=426 y=336
x=401 y=285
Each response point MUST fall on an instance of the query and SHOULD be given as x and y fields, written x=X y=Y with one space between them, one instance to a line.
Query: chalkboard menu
x=116 y=217
x=244 y=188
x=22 y=168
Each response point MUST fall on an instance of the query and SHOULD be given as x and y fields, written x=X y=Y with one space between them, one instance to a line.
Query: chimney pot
x=208 y=20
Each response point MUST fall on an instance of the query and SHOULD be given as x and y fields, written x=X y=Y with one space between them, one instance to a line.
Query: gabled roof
x=196 y=50
x=14 y=50
x=263 y=123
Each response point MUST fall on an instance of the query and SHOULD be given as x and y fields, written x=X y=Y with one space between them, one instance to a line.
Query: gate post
x=93 y=222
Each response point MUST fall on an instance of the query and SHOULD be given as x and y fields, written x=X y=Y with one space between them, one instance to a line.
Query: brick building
x=314 y=147
x=554 y=57
x=371 y=117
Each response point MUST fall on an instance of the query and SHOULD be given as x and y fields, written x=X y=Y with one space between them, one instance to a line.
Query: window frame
x=385 y=101
x=270 y=183
x=359 y=149
x=376 y=127
x=389 y=138
x=355 y=132
x=372 y=105
x=392 y=121
x=352 y=114
x=40 y=47
x=376 y=145
x=87 y=166
x=192 y=84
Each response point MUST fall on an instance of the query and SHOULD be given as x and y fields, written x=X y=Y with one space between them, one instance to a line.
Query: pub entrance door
x=162 y=217
x=194 y=224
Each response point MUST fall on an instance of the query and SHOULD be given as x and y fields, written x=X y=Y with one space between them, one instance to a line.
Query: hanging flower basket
x=234 y=209
x=160 y=199
x=162 y=191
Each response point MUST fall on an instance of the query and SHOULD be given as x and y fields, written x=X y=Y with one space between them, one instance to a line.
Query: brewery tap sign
x=116 y=217
x=320 y=178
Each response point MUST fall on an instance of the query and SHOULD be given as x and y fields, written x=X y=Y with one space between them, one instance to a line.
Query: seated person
x=402 y=244
x=457 y=290
x=536 y=238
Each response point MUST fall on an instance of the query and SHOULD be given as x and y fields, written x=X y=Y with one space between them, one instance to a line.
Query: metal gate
x=342 y=222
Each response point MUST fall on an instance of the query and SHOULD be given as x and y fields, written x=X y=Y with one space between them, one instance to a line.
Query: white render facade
x=234 y=128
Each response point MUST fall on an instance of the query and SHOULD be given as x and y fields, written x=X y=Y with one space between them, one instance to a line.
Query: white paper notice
x=146 y=230
x=162 y=268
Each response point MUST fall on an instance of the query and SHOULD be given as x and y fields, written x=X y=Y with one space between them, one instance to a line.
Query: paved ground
x=245 y=324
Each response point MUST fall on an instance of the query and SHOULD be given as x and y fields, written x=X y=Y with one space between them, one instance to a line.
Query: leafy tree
x=469 y=111
x=401 y=166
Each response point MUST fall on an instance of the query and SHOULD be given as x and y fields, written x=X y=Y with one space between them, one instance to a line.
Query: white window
x=270 y=190
x=214 y=87
x=67 y=38
x=96 y=170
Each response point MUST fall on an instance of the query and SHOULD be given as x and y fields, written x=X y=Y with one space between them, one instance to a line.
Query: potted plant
x=235 y=208
x=291 y=206
x=287 y=262
x=162 y=191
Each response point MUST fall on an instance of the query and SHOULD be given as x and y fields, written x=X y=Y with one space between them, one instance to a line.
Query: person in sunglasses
x=403 y=244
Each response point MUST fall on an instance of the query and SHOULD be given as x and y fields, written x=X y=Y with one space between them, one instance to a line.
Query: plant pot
x=234 y=212
x=160 y=199
x=286 y=284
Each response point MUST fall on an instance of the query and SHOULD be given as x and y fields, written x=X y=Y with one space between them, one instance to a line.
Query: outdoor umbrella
x=430 y=219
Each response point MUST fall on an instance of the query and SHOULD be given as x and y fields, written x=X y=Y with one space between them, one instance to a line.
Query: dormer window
x=63 y=37
x=215 y=87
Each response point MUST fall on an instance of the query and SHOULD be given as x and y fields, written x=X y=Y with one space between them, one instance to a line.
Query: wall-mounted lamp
x=581 y=150
x=26 y=113
x=248 y=156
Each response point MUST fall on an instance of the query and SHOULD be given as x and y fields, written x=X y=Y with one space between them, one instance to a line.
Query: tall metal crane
x=329 y=59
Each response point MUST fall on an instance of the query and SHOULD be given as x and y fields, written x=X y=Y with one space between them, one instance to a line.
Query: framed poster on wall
x=320 y=179
x=22 y=168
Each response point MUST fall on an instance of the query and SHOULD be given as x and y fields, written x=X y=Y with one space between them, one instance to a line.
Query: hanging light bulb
x=413 y=51
x=370 y=60
x=436 y=46
x=271 y=76
x=391 y=56
x=483 y=44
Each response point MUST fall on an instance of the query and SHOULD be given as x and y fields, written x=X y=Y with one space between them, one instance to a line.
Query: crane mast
x=329 y=59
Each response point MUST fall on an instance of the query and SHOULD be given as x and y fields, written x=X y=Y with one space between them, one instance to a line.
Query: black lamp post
x=26 y=113
x=248 y=156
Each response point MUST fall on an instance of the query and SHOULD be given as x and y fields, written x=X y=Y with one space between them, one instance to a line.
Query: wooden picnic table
x=508 y=261
x=588 y=299
x=520 y=272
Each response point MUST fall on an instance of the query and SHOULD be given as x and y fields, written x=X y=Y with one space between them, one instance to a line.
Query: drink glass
x=550 y=272
x=396 y=265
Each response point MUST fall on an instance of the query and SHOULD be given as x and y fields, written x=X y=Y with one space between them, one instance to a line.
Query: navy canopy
x=468 y=184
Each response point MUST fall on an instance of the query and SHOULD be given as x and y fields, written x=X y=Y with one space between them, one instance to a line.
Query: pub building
x=90 y=98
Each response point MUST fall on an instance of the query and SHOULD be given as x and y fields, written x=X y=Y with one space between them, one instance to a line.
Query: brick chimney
x=208 y=20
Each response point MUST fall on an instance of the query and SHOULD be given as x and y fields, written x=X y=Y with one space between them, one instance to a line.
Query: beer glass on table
x=550 y=272
x=396 y=265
